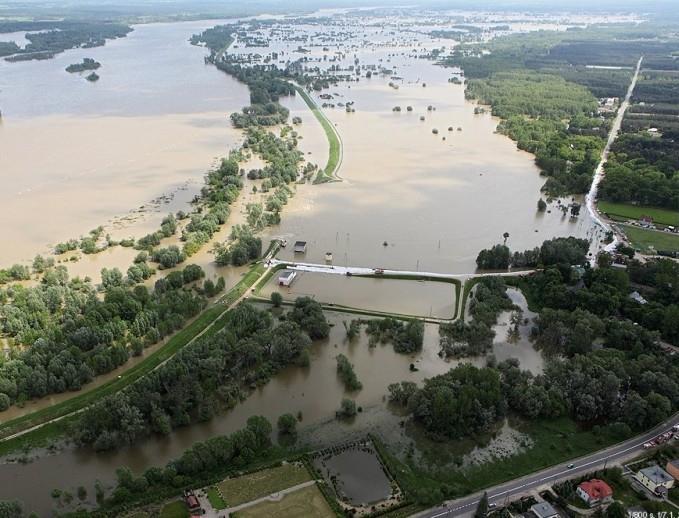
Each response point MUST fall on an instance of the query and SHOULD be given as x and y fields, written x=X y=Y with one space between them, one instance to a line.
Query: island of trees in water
x=84 y=65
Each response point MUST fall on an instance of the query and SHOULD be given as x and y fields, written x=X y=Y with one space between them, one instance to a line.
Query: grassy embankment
x=211 y=318
x=625 y=212
x=329 y=173
x=645 y=239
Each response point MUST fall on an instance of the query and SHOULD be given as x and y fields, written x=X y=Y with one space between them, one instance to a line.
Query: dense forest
x=200 y=464
x=73 y=334
x=212 y=374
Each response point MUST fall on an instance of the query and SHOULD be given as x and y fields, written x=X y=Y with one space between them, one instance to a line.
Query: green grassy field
x=246 y=488
x=328 y=173
x=308 y=501
x=41 y=435
x=662 y=216
x=644 y=239
x=175 y=509
x=215 y=498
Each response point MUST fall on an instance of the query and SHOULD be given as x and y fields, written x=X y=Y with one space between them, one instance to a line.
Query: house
x=656 y=479
x=300 y=247
x=544 y=510
x=287 y=278
x=191 y=501
x=636 y=296
x=673 y=468
x=594 y=492
x=646 y=221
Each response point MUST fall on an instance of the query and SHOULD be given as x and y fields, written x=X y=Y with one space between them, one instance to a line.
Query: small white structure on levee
x=287 y=278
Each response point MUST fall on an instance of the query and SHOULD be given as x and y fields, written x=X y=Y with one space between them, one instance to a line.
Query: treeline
x=210 y=375
x=53 y=37
x=567 y=250
x=487 y=301
x=71 y=335
x=531 y=81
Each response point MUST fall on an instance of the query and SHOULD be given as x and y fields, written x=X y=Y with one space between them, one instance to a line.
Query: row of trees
x=200 y=463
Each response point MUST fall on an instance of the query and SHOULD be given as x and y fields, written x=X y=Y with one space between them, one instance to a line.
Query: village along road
x=510 y=490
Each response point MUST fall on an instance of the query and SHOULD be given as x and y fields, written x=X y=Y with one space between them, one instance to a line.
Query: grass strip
x=335 y=146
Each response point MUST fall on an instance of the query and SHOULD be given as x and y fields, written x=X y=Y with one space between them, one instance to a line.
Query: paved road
x=591 y=198
x=510 y=490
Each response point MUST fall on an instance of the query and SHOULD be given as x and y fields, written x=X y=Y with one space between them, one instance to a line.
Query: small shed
x=287 y=278
x=300 y=247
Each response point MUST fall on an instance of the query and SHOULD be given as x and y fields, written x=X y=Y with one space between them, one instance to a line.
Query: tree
x=496 y=258
x=276 y=299
x=347 y=408
x=287 y=424
x=542 y=206
x=482 y=508
x=616 y=510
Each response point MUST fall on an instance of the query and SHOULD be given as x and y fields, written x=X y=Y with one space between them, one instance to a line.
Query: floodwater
x=315 y=391
x=404 y=297
x=119 y=152
x=359 y=476
x=133 y=146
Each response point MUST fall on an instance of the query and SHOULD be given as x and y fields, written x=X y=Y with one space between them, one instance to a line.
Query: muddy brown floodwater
x=404 y=297
x=75 y=155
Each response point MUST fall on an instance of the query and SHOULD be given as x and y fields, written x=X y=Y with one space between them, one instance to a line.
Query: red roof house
x=595 y=492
